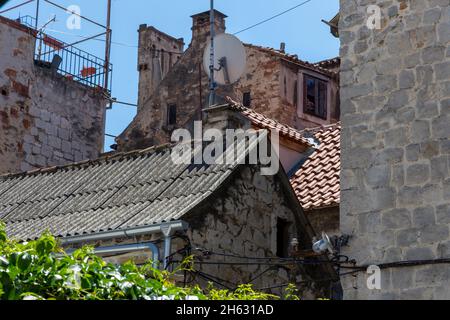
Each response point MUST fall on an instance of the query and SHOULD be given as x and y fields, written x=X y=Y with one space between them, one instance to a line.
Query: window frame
x=282 y=238
x=247 y=95
x=169 y=114
x=317 y=96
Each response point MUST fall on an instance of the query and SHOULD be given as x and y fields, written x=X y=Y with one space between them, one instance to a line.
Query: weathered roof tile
x=119 y=191
x=316 y=183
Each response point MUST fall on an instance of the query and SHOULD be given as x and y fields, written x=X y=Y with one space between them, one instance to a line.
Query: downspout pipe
x=168 y=232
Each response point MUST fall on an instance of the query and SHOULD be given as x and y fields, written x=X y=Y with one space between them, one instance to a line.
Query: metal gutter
x=127 y=233
x=128 y=248
x=167 y=229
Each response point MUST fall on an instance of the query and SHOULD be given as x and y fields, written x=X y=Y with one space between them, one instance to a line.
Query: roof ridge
x=322 y=127
x=241 y=108
x=336 y=59
x=292 y=57
x=101 y=159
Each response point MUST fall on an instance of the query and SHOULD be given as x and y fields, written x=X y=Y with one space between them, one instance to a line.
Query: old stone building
x=311 y=160
x=226 y=215
x=395 y=100
x=157 y=54
x=276 y=84
x=47 y=118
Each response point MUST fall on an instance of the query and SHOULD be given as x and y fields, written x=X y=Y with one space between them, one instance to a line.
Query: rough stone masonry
x=45 y=119
x=395 y=100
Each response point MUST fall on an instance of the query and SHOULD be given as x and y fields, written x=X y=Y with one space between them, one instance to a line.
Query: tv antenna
x=231 y=62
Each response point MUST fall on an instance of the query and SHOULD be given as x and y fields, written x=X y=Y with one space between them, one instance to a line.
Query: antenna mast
x=108 y=44
x=212 y=83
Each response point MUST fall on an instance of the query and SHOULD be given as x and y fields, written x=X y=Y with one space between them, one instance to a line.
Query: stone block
x=417 y=174
x=408 y=237
x=396 y=219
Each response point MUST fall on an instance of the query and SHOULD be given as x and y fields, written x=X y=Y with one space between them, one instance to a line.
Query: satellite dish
x=229 y=59
x=323 y=245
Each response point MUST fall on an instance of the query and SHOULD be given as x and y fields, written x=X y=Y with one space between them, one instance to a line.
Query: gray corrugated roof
x=116 y=192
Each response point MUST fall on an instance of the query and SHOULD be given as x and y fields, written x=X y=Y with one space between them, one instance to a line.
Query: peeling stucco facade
x=46 y=119
x=273 y=79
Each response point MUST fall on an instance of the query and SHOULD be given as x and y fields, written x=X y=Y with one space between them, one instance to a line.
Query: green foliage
x=291 y=292
x=40 y=270
x=243 y=292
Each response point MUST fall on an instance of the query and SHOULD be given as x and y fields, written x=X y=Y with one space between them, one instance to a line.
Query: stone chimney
x=223 y=117
x=201 y=26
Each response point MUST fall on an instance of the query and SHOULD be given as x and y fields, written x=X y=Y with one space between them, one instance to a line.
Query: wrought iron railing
x=66 y=59
x=71 y=62
x=28 y=21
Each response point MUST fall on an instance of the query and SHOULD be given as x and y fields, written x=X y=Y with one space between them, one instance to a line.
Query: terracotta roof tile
x=263 y=122
x=294 y=59
x=329 y=63
x=316 y=183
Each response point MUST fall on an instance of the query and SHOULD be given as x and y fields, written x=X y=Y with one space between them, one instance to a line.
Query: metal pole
x=37 y=14
x=212 y=84
x=108 y=45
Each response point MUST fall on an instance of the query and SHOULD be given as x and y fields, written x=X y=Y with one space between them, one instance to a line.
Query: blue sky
x=301 y=30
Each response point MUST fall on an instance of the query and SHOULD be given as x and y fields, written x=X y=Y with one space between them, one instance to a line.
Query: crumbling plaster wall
x=395 y=182
x=269 y=79
x=45 y=119
x=157 y=54
x=186 y=86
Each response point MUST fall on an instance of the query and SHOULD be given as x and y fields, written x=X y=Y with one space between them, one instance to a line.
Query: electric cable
x=273 y=17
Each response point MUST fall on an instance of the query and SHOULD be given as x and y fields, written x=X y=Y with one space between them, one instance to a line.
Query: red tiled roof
x=294 y=59
x=317 y=183
x=263 y=122
x=329 y=63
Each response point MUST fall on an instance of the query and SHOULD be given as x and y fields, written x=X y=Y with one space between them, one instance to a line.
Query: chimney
x=224 y=117
x=201 y=26
x=283 y=47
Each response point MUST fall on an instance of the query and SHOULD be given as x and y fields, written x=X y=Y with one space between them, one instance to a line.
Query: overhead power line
x=113 y=42
x=273 y=17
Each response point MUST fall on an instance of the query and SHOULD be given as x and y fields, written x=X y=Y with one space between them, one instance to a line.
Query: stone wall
x=242 y=220
x=325 y=220
x=270 y=80
x=157 y=54
x=239 y=219
x=395 y=100
x=45 y=119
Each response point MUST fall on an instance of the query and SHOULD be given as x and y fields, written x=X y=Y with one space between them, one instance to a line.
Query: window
x=315 y=97
x=163 y=60
x=171 y=114
x=247 y=99
x=282 y=238
x=295 y=97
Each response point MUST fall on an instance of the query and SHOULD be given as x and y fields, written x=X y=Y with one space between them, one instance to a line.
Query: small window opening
x=315 y=97
x=247 y=99
x=295 y=98
x=172 y=115
x=282 y=238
